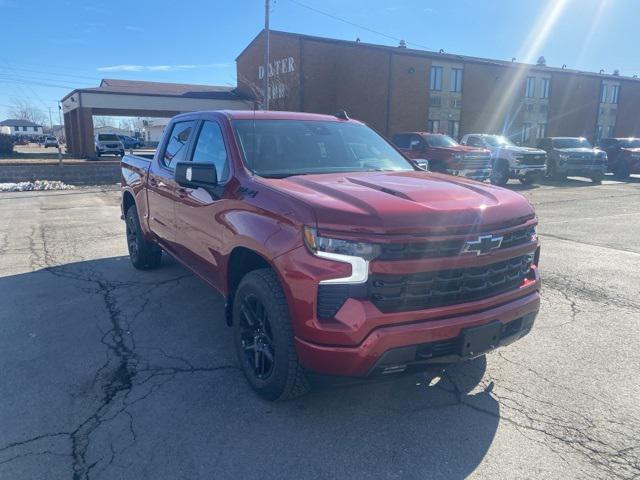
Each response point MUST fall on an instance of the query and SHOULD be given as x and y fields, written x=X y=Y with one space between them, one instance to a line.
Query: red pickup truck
x=441 y=153
x=336 y=255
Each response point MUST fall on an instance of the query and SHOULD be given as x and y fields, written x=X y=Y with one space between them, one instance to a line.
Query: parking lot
x=108 y=372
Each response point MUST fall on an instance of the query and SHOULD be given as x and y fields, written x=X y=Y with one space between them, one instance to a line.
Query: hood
x=516 y=149
x=459 y=149
x=578 y=150
x=634 y=150
x=411 y=203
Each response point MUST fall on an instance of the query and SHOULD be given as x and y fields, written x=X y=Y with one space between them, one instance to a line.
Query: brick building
x=396 y=88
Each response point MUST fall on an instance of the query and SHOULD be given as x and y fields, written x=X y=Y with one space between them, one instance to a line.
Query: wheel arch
x=242 y=260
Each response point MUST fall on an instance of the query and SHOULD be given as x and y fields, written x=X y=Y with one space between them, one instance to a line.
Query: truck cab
x=334 y=253
x=509 y=160
x=444 y=155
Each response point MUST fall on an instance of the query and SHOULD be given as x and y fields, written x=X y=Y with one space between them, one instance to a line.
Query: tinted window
x=630 y=143
x=402 y=140
x=279 y=148
x=108 y=137
x=178 y=143
x=210 y=149
x=441 y=141
x=474 y=142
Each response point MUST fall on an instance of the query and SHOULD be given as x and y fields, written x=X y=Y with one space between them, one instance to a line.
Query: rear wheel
x=144 y=254
x=499 y=173
x=264 y=339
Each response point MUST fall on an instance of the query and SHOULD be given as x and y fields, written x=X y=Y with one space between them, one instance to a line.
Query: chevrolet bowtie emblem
x=483 y=245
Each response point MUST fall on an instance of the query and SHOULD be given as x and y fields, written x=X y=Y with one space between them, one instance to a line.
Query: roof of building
x=443 y=55
x=160 y=89
x=14 y=122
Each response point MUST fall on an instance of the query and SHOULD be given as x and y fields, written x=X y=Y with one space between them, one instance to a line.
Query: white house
x=22 y=127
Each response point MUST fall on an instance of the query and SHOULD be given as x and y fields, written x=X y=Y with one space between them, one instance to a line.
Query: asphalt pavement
x=111 y=373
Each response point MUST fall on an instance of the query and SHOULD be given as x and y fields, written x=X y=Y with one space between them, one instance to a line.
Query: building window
x=529 y=107
x=454 y=128
x=542 y=130
x=599 y=131
x=603 y=93
x=436 y=78
x=544 y=108
x=615 y=92
x=530 y=88
x=433 y=126
x=544 y=88
x=526 y=132
x=455 y=103
x=16 y=128
x=610 y=130
x=434 y=101
x=456 y=80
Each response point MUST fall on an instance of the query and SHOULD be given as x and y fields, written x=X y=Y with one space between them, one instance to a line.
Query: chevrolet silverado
x=335 y=254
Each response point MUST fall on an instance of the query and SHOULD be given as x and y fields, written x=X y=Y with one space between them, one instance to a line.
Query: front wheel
x=527 y=180
x=597 y=178
x=622 y=170
x=144 y=254
x=552 y=171
x=264 y=339
x=499 y=174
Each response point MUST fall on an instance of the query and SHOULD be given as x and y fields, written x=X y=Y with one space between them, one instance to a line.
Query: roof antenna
x=342 y=115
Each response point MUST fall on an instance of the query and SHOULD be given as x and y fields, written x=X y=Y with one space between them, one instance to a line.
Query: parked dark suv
x=573 y=156
x=623 y=155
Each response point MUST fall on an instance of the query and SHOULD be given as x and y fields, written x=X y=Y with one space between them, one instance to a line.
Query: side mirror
x=194 y=175
x=422 y=163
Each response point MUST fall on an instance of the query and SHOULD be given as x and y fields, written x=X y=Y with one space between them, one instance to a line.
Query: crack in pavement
x=124 y=379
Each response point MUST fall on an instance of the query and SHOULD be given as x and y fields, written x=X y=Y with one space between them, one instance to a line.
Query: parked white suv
x=108 y=143
x=509 y=160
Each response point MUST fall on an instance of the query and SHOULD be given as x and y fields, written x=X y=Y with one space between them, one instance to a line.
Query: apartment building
x=398 y=89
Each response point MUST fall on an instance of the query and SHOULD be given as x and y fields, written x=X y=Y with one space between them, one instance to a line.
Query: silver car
x=108 y=143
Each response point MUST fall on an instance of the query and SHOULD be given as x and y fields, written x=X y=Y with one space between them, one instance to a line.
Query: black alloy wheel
x=256 y=337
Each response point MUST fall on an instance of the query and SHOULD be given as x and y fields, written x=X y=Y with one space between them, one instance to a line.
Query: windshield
x=630 y=143
x=498 y=141
x=279 y=148
x=571 y=143
x=441 y=141
x=108 y=137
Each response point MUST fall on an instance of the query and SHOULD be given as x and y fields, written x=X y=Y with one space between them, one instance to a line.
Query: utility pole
x=50 y=121
x=266 y=54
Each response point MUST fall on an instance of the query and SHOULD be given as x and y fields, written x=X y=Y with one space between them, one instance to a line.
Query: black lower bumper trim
x=416 y=357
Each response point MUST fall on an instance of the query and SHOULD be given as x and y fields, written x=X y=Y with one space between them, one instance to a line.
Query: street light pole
x=266 y=54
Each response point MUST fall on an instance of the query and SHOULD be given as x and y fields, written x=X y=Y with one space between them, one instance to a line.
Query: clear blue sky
x=51 y=47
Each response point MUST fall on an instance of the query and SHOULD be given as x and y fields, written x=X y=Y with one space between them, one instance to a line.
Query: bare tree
x=23 y=110
x=102 y=121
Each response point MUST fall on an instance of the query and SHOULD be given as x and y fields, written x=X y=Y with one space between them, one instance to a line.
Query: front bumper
x=581 y=170
x=473 y=174
x=524 y=171
x=405 y=347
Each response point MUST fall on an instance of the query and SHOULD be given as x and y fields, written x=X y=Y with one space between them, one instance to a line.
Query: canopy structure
x=132 y=98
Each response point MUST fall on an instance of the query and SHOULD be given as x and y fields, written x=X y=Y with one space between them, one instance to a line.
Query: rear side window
x=210 y=149
x=402 y=140
x=176 y=149
x=107 y=137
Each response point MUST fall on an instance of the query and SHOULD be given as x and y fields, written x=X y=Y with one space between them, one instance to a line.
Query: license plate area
x=475 y=341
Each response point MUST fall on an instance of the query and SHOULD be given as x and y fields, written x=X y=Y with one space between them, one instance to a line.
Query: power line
x=349 y=22
x=70 y=75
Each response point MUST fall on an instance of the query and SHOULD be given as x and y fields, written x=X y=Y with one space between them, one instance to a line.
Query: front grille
x=111 y=145
x=584 y=159
x=398 y=293
x=476 y=162
x=532 y=160
x=447 y=248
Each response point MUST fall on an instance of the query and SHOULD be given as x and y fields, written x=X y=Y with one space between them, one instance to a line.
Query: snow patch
x=37 y=185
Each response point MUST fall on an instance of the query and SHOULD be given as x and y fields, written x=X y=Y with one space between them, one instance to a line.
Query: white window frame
x=530 y=87
x=435 y=78
x=456 y=80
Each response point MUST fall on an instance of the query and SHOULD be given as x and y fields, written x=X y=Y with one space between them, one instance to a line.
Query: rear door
x=200 y=213
x=162 y=188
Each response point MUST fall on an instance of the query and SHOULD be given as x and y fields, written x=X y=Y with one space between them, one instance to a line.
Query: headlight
x=357 y=254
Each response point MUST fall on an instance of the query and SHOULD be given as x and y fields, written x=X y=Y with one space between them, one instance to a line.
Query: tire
x=97 y=153
x=499 y=174
x=261 y=319
x=527 y=180
x=597 y=179
x=121 y=153
x=622 y=170
x=553 y=173
x=144 y=255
